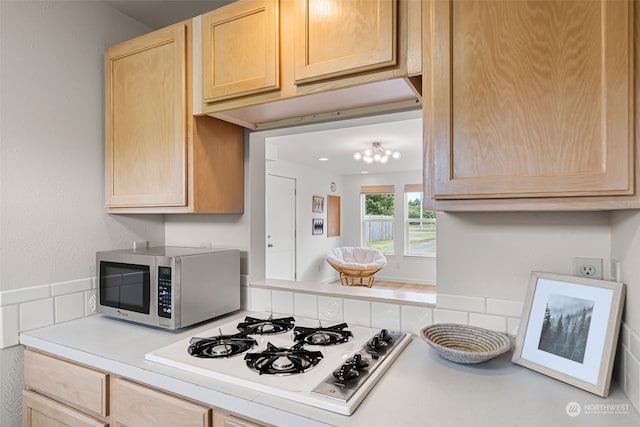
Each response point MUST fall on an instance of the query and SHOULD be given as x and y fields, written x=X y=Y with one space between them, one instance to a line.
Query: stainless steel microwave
x=169 y=287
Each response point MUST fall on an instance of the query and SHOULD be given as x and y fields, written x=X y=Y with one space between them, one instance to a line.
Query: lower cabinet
x=136 y=405
x=226 y=419
x=39 y=411
x=62 y=393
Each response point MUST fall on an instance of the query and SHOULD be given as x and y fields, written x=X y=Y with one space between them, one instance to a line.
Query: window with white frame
x=420 y=224
x=377 y=217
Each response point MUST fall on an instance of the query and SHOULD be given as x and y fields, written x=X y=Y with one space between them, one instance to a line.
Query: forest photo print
x=565 y=328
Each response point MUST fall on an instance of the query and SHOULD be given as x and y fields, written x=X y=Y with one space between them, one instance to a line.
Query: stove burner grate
x=220 y=346
x=322 y=336
x=252 y=325
x=282 y=361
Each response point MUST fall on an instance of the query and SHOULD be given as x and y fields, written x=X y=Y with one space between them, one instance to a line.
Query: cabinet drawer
x=135 y=405
x=40 y=411
x=75 y=385
x=225 y=419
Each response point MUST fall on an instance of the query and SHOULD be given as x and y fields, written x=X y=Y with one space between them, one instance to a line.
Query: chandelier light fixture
x=376 y=153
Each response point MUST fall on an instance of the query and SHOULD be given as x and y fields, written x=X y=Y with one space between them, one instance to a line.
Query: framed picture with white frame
x=569 y=329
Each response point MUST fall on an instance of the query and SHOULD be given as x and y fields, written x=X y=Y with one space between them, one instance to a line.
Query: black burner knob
x=384 y=335
x=345 y=373
x=358 y=362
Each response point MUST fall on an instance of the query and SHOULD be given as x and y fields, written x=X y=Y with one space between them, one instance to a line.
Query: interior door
x=281 y=228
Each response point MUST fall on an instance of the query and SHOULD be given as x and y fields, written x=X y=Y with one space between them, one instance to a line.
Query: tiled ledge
x=44 y=305
x=628 y=364
x=422 y=299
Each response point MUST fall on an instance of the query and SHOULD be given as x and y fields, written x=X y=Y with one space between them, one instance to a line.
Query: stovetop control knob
x=384 y=335
x=345 y=373
x=358 y=362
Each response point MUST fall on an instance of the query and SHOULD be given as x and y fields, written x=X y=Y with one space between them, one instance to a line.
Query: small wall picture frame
x=569 y=329
x=318 y=204
x=317 y=226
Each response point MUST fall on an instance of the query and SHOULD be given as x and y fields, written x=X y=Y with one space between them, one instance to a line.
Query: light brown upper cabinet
x=529 y=99
x=158 y=157
x=336 y=37
x=240 y=49
x=268 y=64
x=146 y=132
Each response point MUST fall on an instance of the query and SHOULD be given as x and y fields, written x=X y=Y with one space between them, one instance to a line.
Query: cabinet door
x=134 y=405
x=240 y=45
x=146 y=128
x=38 y=411
x=225 y=419
x=67 y=382
x=337 y=37
x=530 y=98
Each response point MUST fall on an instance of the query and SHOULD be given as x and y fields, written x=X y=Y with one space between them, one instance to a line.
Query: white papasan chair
x=357 y=266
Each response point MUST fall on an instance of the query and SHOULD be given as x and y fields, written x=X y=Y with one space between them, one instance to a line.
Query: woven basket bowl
x=465 y=344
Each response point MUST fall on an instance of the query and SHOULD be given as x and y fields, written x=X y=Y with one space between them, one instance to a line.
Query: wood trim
x=413 y=188
x=376 y=189
x=333 y=216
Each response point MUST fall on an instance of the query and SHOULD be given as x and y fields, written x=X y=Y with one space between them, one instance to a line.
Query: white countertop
x=419 y=389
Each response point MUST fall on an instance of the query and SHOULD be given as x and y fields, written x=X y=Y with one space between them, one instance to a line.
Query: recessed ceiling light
x=323 y=159
x=363 y=172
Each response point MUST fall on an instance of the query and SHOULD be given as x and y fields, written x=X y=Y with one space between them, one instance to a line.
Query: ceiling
x=160 y=13
x=336 y=141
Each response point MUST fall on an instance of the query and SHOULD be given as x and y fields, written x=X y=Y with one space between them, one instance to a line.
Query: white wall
x=51 y=155
x=399 y=268
x=311 y=249
x=52 y=142
x=492 y=254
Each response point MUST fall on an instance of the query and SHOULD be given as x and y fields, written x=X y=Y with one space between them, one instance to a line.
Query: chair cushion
x=355 y=257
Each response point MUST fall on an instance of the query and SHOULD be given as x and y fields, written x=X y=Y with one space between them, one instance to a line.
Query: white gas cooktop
x=313 y=387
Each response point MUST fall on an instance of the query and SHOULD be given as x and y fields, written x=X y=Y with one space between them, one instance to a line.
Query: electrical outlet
x=588 y=267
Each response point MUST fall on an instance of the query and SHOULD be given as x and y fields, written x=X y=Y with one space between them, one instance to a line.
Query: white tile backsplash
x=632 y=378
x=627 y=365
x=70 y=287
x=461 y=303
x=36 y=314
x=413 y=318
x=282 y=302
x=488 y=321
x=305 y=305
x=260 y=299
x=9 y=327
x=17 y=296
x=385 y=315
x=450 y=316
x=634 y=344
x=513 y=326
x=504 y=307
x=68 y=307
x=330 y=309
x=357 y=312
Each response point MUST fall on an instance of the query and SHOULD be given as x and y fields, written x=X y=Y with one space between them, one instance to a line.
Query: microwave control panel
x=164 y=292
